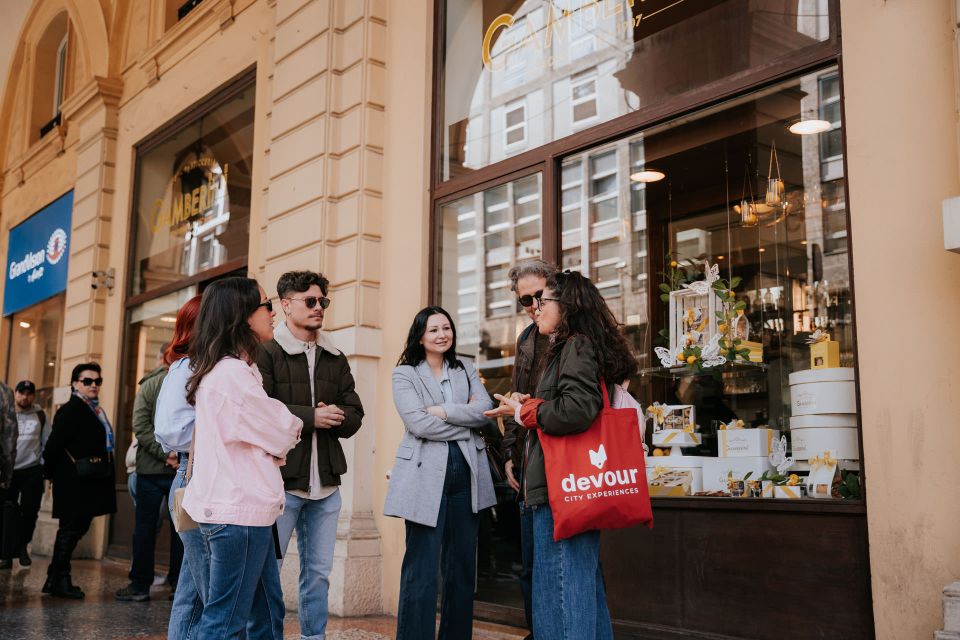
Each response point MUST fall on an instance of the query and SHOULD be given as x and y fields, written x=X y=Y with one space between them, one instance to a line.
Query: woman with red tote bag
x=569 y=600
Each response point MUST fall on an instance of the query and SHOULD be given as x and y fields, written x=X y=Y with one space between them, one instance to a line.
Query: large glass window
x=193 y=197
x=35 y=348
x=583 y=62
x=482 y=236
x=753 y=188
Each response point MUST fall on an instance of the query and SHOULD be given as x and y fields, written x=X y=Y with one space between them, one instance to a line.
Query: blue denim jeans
x=451 y=545
x=569 y=599
x=194 y=574
x=243 y=570
x=525 y=579
x=316 y=524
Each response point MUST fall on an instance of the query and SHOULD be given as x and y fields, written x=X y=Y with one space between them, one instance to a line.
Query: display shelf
x=740 y=367
x=851 y=507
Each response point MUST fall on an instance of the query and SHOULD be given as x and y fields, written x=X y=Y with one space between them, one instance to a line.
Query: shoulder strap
x=43 y=419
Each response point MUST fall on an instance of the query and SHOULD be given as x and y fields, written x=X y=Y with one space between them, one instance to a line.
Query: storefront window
x=577 y=63
x=482 y=236
x=193 y=197
x=752 y=190
x=742 y=189
x=35 y=348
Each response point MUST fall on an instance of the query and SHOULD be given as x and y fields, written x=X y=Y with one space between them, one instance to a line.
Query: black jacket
x=77 y=429
x=286 y=378
x=570 y=388
x=524 y=380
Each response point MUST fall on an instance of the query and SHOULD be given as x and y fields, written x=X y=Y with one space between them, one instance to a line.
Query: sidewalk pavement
x=26 y=614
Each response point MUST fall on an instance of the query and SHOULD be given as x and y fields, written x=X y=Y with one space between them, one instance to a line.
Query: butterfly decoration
x=702 y=287
x=778 y=458
x=667 y=358
x=711 y=355
x=818 y=336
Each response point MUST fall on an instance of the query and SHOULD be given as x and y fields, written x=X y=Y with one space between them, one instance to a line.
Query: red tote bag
x=597 y=479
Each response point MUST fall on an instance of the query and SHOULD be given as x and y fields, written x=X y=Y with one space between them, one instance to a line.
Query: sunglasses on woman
x=268 y=304
x=527 y=300
x=87 y=382
x=312 y=301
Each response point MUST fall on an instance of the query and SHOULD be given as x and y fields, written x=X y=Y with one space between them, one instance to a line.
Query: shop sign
x=197 y=189
x=37 y=256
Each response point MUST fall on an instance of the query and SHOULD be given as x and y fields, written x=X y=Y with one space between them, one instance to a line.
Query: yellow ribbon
x=827 y=460
x=768 y=491
x=655 y=412
x=769 y=441
x=670 y=436
x=790 y=491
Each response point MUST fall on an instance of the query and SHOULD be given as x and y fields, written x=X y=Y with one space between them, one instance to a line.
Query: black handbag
x=91 y=467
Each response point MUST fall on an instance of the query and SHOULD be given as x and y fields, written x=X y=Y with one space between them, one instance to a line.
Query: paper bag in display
x=824 y=476
x=740 y=443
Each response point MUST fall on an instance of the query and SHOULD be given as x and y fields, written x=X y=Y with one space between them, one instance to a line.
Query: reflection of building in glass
x=553 y=75
x=492 y=231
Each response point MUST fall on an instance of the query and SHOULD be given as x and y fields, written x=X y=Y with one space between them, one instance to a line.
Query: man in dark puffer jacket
x=302 y=369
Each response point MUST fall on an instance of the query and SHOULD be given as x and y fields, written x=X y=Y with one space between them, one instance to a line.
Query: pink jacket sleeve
x=258 y=419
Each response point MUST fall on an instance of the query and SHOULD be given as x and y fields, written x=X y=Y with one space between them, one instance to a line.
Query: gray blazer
x=416 y=481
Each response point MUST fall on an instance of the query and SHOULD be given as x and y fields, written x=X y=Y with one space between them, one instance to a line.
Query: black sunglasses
x=268 y=304
x=91 y=381
x=527 y=300
x=312 y=301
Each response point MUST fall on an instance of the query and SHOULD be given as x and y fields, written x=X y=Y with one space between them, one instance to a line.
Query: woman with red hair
x=174 y=431
x=155 y=467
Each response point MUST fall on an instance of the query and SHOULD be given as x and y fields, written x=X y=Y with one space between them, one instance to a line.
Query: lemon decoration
x=691 y=359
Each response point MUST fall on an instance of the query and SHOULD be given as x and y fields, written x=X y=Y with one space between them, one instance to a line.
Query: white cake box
x=810 y=443
x=824 y=420
x=717 y=470
x=740 y=443
x=819 y=391
x=788 y=492
x=692 y=464
x=675 y=438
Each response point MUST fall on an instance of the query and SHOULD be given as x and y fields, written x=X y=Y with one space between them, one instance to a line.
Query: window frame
x=510 y=107
x=548 y=159
x=60 y=74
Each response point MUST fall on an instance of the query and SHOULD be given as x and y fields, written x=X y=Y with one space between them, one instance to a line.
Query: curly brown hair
x=583 y=311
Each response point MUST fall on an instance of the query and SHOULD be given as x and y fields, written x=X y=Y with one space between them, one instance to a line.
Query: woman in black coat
x=81 y=433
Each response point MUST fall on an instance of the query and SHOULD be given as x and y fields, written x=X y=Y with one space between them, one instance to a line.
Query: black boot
x=25 y=560
x=63 y=588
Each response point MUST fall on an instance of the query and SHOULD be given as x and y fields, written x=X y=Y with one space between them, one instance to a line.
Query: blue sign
x=37 y=256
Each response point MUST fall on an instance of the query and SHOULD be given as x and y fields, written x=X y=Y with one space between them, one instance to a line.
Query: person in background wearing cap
x=21 y=502
x=8 y=439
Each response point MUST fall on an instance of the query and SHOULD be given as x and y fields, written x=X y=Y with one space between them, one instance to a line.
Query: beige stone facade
x=341 y=184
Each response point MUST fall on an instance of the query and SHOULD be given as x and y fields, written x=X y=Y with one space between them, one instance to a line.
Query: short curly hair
x=300 y=281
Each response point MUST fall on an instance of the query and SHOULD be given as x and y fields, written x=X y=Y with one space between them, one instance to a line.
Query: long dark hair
x=414 y=353
x=221 y=329
x=583 y=311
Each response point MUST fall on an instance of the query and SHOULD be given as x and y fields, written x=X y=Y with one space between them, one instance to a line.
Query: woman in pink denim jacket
x=242 y=437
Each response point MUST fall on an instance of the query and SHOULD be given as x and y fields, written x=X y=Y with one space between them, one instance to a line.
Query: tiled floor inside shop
x=26 y=614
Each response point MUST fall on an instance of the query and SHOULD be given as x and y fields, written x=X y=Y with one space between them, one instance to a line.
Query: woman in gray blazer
x=440 y=478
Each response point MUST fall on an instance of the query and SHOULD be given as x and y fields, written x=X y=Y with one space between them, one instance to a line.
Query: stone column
x=92 y=110
x=323 y=201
